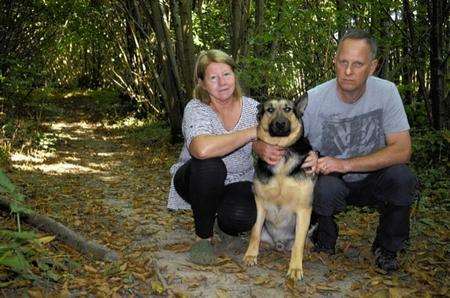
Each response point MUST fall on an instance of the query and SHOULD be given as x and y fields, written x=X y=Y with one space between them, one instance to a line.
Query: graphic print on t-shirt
x=350 y=137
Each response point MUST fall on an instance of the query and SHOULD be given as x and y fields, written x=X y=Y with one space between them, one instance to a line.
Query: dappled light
x=61 y=168
x=109 y=182
x=92 y=98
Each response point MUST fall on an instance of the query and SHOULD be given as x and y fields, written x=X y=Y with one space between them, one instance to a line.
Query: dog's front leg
x=251 y=255
x=301 y=228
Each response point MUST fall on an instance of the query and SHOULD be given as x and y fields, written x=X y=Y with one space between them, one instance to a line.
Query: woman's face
x=219 y=81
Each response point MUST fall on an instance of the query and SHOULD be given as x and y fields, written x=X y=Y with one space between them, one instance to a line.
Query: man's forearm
x=380 y=159
x=397 y=151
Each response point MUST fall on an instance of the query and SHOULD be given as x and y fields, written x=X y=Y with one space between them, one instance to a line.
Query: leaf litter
x=118 y=195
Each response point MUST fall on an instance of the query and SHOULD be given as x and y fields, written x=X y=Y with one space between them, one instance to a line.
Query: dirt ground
x=105 y=184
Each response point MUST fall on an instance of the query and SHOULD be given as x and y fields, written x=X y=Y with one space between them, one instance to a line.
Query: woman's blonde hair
x=204 y=59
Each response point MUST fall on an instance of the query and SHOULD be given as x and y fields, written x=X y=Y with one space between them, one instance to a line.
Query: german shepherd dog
x=283 y=192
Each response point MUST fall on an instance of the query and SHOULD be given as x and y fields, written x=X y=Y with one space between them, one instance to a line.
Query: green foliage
x=19 y=133
x=430 y=147
x=431 y=162
x=11 y=256
x=20 y=77
x=417 y=114
x=211 y=27
x=7 y=186
x=17 y=205
x=46 y=141
x=21 y=252
x=23 y=256
x=5 y=156
x=144 y=131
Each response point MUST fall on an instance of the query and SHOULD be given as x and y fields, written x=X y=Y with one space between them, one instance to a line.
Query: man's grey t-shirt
x=343 y=130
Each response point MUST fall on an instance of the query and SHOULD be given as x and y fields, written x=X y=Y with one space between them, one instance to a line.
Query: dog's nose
x=280 y=127
x=281 y=124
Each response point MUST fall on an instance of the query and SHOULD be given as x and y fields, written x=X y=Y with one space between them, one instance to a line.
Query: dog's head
x=280 y=120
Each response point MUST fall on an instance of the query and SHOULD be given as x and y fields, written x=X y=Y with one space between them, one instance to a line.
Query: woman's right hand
x=271 y=154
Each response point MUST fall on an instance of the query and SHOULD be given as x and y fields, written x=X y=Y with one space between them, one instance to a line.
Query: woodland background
x=133 y=61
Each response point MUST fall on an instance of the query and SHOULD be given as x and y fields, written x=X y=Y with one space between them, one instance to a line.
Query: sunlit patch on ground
x=106 y=154
x=84 y=126
x=28 y=159
x=75 y=93
x=65 y=167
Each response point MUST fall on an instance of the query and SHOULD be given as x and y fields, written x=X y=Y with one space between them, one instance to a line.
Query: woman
x=215 y=171
x=213 y=176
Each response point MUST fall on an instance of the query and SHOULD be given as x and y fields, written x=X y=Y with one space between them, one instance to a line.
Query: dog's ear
x=300 y=104
x=260 y=111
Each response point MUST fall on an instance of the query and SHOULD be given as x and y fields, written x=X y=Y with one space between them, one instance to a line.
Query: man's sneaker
x=385 y=259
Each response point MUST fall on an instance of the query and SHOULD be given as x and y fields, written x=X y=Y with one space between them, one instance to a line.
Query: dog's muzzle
x=280 y=127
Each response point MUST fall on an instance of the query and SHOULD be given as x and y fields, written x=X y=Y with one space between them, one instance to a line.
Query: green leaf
x=9 y=187
x=52 y=275
x=17 y=207
x=16 y=262
x=24 y=235
x=5 y=183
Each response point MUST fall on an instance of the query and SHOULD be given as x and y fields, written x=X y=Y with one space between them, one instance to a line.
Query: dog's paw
x=250 y=260
x=295 y=273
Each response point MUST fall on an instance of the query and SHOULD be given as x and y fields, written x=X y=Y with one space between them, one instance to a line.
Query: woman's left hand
x=310 y=163
x=271 y=154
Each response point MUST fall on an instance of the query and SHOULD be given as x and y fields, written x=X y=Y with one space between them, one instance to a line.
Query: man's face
x=354 y=65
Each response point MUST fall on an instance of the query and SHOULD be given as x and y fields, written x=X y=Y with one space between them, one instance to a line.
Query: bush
x=430 y=161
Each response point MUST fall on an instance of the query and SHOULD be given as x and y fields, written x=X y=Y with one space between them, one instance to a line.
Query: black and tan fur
x=283 y=192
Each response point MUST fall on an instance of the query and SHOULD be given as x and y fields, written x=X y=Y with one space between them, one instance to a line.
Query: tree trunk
x=239 y=28
x=340 y=18
x=182 y=22
x=422 y=53
x=380 y=25
x=260 y=50
x=170 y=84
x=279 y=12
x=437 y=71
x=408 y=44
x=259 y=27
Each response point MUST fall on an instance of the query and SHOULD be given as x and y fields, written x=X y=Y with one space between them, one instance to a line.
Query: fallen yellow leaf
x=157 y=287
x=90 y=269
x=46 y=239
x=35 y=293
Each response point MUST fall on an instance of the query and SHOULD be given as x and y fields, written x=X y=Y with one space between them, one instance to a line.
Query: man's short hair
x=361 y=35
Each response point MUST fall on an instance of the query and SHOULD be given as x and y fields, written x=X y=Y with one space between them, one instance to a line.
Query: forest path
x=112 y=189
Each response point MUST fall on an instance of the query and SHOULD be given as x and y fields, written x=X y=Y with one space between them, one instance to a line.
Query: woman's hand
x=310 y=165
x=271 y=154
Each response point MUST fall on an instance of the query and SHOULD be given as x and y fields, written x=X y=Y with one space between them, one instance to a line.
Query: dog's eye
x=270 y=110
x=287 y=109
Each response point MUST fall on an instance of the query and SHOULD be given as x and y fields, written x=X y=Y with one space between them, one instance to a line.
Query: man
x=358 y=125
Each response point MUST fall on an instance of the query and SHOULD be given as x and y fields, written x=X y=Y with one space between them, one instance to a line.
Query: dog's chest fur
x=285 y=185
x=283 y=189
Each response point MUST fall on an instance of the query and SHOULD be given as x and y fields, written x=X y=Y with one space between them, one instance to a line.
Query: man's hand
x=310 y=165
x=327 y=165
x=269 y=153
